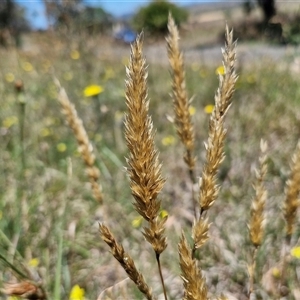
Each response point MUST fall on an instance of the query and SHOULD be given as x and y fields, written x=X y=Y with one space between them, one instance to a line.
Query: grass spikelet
x=125 y=260
x=184 y=126
x=84 y=145
x=292 y=202
x=144 y=169
x=256 y=225
x=214 y=147
x=290 y=208
x=193 y=281
x=216 y=137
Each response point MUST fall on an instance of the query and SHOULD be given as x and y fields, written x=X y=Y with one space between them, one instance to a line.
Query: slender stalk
x=161 y=275
x=251 y=270
x=57 y=284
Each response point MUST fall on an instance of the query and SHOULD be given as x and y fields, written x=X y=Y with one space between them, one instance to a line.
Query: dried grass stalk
x=85 y=147
x=216 y=137
x=257 y=219
x=144 y=169
x=184 y=126
x=181 y=103
x=292 y=201
x=214 y=147
x=193 y=281
x=256 y=226
x=125 y=260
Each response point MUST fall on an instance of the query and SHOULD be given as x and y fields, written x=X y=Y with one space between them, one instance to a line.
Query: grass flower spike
x=214 y=147
x=125 y=260
x=181 y=103
x=256 y=226
x=182 y=106
x=292 y=201
x=85 y=147
x=144 y=169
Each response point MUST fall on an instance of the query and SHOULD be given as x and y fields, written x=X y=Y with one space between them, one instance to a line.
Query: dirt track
x=248 y=54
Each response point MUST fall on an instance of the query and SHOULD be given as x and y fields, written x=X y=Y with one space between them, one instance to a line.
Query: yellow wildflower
x=220 y=70
x=13 y=298
x=27 y=66
x=61 y=147
x=93 y=90
x=208 y=109
x=77 y=293
x=276 y=272
x=192 y=110
x=9 y=121
x=137 y=222
x=34 y=262
x=295 y=252
x=75 y=54
x=168 y=140
x=9 y=77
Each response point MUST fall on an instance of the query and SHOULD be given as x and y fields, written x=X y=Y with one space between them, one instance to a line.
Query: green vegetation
x=153 y=18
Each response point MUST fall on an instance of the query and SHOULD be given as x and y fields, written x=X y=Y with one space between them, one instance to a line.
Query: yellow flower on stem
x=276 y=272
x=34 y=262
x=295 y=252
x=208 y=109
x=192 y=110
x=220 y=70
x=168 y=140
x=93 y=90
x=77 y=293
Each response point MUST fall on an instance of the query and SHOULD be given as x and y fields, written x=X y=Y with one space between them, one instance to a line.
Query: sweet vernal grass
x=146 y=182
x=144 y=169
x=257 y=218
x=84 y=146
x=181 y=103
